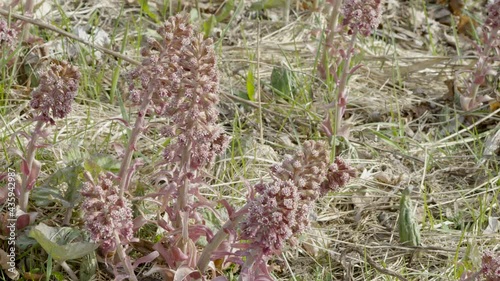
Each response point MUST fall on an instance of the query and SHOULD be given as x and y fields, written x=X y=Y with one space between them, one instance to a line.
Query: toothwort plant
x=178 y=79
x=279 y=211
x=51 y=99
x=488 y=53
x=358 y=17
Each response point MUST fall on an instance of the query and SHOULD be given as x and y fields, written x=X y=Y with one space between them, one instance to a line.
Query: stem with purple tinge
x=134 y=136
x=30 y=158
x=341 y=91
x=123 y=257
x=332 y=26
x=220 y=237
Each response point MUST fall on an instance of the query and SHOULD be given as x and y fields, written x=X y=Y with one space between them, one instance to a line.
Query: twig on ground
x=371 y=262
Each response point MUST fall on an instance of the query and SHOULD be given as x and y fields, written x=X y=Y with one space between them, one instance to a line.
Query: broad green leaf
x=250 y=85
x=409 y=234
x=57 y=242
x=50 y=191
x=282 y=81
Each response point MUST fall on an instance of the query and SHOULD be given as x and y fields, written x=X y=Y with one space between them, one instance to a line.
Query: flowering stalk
x=191 y=105
x=30 y=167
x=51 y=99
x=331 y=31
x=180 y=72
x=278 y=211
x=359 y=17
x=281 y=210
x=125 y=172
x=491 y=42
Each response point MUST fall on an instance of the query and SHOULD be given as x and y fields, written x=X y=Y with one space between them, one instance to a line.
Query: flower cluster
x=274 y=216
x=361 y=16
x=178 y=77
x=280 y=210
x=282 y=207
x=490 y=268
x=338 y=175
x=192 y=96
x=181 y=70
x=58 y=87
x=493 y=20
x=105 y=213
x=8 y=36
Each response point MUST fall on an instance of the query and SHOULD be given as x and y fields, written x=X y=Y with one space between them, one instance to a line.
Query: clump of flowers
x=108 y=218
x=106 y=213
x=490 y=267
x=279 y=210
x=470 y=100
x=361 y=16
x=51 y=99
x=8 y=36
x=192 y=98
x=178 y=77
x=358 y=17
x=56 y=91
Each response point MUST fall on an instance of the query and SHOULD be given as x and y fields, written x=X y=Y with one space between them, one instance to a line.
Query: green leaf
x=225 y=11
x=50 y=191
x=145 y=9
x=250 y=85
x=49 y=268
x=208 y=26
x=409 y=234
x=282 y=81
x=57 y=242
